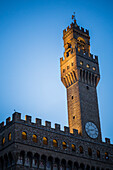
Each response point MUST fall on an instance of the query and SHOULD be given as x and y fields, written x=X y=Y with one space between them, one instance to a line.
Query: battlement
x=75 y=26
x=86 y=55
x=16 y=117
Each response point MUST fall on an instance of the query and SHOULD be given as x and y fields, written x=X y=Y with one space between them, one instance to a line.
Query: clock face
x=91 y=130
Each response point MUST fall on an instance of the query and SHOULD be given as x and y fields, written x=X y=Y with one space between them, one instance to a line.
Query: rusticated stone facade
x=25 y=153
x=29 y=146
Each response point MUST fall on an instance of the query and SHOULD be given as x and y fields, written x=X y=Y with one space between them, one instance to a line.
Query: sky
x=31 y=46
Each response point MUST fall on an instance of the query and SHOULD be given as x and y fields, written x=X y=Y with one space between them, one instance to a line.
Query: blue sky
x=30 y=49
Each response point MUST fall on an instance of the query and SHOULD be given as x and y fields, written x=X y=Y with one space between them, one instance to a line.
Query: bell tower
x=80 y=75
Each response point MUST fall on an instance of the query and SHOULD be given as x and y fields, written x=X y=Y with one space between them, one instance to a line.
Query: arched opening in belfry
x=81 y=44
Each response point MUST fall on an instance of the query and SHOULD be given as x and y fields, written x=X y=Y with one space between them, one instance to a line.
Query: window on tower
x=81 y=149
x=64 y=145
x=98 y=154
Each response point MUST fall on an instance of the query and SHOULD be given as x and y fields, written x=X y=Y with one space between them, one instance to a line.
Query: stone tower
x=80 y=75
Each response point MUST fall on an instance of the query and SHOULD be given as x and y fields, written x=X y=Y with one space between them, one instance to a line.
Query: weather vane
x=73 y=16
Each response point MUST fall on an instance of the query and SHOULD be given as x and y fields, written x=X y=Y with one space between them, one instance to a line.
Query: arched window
x=9 y=137
x=89 y=152
x=45 y=141
x=3 y=140
x=81 y=149
x=73 y=147
x=34 y=138
x=24 y=135
x=64 y=145
x=106 y=156
x=55 y=143
x=98 y=154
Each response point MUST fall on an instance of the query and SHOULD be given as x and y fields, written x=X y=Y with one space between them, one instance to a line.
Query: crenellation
x=16 y=116
x=75 y=132
x=1 y=125
x=48 y=124
x=38 y=121
x=8 y=120
x=107 y=140
x=28 y=118
x=66 y=130
x=57 y=127
x=76 y=27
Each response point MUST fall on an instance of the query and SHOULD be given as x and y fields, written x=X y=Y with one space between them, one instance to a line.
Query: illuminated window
x=81 y=63
x=63 y=70
x=34 y=138
x=81 y=149
x=72 y=64
x=64 y=145
x=3 y=140
x=67 y=67
x=89 y=152
x=98 y=154
x=9 y=137
x=24 y=135
x=67 y=54
x=55 y=143
x=106 y=156
x=87 y=65
x=94 y=68
x=73 y=147
x=45 y=141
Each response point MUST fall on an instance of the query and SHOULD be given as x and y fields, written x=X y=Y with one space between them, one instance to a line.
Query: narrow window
x=106 y=156
x=3 y=140
x=45 y=141
x=89 y=152
x=34 y=138
x=64 y=145
x=67 y=67
x=72 y=64
x=73 y=147
x=73 y=117
x=24 y=135
x=81 y=63
x=63 y=70
x=9 y=137
x=55 y=143
x=81 y=149
x=87 y=66
x=94 y=68
x=72 y=97
x=98 y=154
